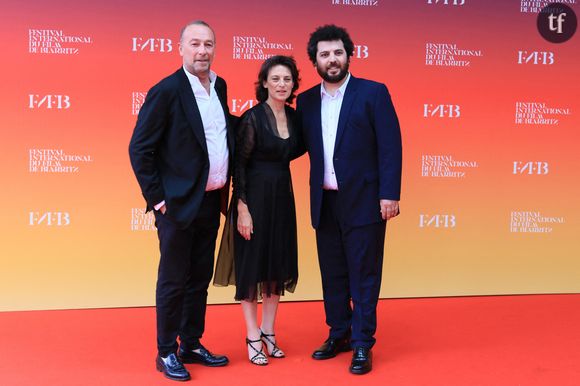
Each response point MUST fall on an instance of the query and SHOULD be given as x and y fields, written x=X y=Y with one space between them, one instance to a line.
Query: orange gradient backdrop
x=93 y=258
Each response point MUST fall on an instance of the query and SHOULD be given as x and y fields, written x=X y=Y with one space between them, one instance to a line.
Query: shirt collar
x=196 y=85
x=340 y=90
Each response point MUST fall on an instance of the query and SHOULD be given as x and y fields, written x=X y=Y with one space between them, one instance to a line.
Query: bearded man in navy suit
x=353 y=139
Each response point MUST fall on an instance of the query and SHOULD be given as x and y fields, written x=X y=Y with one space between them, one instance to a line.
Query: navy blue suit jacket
x=367 y=151
x=168 y=149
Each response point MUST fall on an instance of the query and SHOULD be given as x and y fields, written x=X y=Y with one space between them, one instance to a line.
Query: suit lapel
x=347 y=103
x=229 y=131
x=191 y=110
x=317 y=119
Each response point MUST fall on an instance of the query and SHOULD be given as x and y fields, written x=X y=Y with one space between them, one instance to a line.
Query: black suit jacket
x=367 y=152
x=168 y=149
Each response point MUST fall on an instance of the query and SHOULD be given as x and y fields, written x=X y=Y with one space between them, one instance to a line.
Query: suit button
x=336 y=159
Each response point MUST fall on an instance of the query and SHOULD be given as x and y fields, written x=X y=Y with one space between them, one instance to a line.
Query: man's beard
x=333 y=78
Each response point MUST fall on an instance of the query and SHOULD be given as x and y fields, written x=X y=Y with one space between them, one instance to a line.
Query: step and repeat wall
x=488 y=111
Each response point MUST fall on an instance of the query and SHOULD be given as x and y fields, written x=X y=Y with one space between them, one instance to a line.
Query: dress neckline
x=270 y=112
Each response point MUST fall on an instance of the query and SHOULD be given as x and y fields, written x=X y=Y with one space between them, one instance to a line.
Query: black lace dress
x=268 y=262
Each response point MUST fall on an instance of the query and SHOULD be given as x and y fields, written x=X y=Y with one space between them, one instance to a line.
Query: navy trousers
x=351 y=262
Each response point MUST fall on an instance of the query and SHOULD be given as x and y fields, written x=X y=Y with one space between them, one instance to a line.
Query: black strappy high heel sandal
x=260 y=359
x=276 y=351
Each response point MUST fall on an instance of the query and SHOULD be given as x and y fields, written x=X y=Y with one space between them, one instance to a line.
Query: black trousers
x=351 y=263
x=185 y=271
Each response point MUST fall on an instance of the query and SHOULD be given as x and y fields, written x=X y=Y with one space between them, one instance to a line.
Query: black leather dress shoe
x=172 y=368
x=203 y=357
x=331 y=347
x=362 y=361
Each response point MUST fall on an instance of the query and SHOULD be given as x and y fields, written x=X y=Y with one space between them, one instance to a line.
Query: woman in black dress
x=265 y=247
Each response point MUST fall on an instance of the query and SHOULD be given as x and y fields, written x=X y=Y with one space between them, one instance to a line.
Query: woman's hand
x=245 y=226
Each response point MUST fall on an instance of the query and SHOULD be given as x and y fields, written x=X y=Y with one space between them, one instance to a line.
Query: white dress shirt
x=214 y=126
x=329 y=113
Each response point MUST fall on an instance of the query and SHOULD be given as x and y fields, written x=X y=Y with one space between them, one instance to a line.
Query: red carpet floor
x=505 y=340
